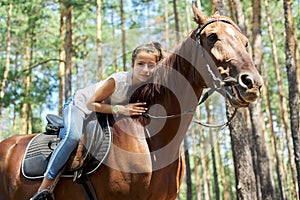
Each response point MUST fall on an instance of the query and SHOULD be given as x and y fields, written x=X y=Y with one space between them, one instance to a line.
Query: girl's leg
x=70 y=136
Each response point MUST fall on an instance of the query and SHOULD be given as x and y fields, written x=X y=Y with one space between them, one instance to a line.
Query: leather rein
x=218 y=83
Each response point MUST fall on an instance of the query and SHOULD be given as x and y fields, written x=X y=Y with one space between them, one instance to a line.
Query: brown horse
x=145 y=161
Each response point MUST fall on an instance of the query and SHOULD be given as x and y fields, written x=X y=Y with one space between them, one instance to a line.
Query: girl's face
x=143 y=67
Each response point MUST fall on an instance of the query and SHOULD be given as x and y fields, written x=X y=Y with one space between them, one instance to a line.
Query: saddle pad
x=38 y=153
x=36 y=156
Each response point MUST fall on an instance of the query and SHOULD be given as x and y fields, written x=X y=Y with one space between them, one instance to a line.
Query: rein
x=217 y=83
x=188 y=112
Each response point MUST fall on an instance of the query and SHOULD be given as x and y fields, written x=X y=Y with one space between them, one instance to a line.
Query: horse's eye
x=213 y=37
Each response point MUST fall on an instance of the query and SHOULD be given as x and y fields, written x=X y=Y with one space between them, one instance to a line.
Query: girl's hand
x=132 y=109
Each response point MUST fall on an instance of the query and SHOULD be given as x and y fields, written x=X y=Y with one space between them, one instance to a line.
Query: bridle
x=198 y=32
x=218 y=83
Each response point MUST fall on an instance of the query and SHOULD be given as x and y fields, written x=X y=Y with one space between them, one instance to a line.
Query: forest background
x=49 y=49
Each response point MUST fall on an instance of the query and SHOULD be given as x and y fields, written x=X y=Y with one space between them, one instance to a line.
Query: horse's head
x=227 y=46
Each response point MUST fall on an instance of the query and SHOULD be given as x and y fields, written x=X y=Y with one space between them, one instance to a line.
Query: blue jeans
x=70 y=136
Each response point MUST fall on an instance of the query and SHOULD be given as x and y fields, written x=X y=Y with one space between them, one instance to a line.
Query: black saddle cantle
x=55 y=120
x=55 y=123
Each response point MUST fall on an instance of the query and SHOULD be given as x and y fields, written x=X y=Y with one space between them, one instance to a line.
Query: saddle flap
x=36 y=166
x=55 y=120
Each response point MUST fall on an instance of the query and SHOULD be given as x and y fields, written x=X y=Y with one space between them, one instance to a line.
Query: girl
x=107 y=96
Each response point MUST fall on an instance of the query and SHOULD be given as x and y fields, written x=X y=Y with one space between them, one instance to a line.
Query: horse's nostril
x=246 y=81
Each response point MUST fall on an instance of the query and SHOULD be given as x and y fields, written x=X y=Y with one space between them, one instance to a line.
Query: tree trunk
x=240 y=140
x=263 y=159
x=291 y=67
x=61 y=65
x=266 y=96
x=208 y=177
x=99 y=39
x=220 y=6
x=166 y=3
x=215 y=172
x=114 y=47
x=123 y=35
x=264 y=167
x=195 y=156
x=198 y=4
x=15 y=107
x=188 y=175
x=1 y=122
x=75 y=45
x=226 y=195
x=68 y=46
x=23 y=104
x=239 y=15
x=214 y=165
x=205 y=176
x=85 y=76
x=243 y=167
x=26 y=84
x=188 y=17
x=282 y=107
x=176 y=21
x=29 y=114
x=7 y=65
x=232 y=10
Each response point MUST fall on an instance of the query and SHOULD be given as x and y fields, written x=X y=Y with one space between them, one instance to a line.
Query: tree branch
x=41 y=63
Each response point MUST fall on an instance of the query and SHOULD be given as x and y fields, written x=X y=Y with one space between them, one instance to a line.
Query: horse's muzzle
x=243 y=90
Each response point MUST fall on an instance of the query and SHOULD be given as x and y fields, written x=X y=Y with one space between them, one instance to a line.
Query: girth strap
x=87 y=187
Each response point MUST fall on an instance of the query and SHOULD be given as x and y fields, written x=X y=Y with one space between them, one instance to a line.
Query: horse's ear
x=199 y=16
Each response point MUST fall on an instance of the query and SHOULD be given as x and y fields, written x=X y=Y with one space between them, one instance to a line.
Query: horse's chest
x=130 y=183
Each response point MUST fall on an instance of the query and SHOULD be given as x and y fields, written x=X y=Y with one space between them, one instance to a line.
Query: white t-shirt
x=123 y=81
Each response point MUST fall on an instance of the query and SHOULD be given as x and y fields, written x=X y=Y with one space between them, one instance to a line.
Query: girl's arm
x=105 y=91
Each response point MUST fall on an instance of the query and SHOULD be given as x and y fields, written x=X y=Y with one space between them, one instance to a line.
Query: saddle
x=92 y=149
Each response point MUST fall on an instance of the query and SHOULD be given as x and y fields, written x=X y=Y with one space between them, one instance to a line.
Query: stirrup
x=43 y=195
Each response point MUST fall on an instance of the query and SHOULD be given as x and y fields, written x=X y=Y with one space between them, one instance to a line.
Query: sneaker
x=42 y=195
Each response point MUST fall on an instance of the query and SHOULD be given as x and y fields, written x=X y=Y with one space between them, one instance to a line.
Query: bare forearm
x=128 y=110
x=100 y=107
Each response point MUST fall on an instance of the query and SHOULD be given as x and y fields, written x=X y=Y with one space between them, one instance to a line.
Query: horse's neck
x=184 y=90
x=200 y=64
x=189 y=62
x=186 y=79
